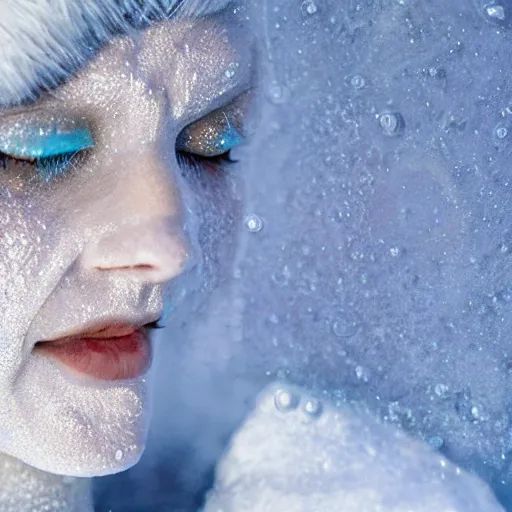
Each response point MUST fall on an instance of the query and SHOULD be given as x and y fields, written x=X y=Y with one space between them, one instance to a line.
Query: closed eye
x=209 y=140
x=51 y=145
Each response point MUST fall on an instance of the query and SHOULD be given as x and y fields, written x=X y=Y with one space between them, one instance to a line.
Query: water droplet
x=253 y=223
x=357 y=82
x=436 y=442
x=231 y=70
x=391 y=123
x=495 y=12
x=119 y=455
x=309 y=7
x=346 y=324
x=286 y=401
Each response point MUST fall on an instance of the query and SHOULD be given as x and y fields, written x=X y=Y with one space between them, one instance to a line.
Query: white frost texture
x=297 y=454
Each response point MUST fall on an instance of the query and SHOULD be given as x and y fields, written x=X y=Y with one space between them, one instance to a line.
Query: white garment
x=296 y=454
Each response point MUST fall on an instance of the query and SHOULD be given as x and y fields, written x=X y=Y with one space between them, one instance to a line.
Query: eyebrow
x=34 y=61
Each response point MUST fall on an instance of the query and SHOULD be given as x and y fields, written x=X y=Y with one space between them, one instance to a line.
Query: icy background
x=375 y=252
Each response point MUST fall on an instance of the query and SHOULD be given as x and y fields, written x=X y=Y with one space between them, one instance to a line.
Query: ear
x=43 y=41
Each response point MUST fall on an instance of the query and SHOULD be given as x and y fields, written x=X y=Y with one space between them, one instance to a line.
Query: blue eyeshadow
x=39 y=142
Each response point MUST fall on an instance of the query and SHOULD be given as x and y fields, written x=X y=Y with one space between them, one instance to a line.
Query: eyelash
x=49 y=167
x=212 y=165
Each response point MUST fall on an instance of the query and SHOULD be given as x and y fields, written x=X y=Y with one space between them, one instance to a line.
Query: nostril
x=129 y=267
x=154 y=251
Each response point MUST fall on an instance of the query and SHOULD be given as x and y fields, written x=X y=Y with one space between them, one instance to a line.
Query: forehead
x=191 y=62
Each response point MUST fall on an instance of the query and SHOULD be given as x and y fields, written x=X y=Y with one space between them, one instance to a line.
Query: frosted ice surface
x=375 y=265
x=287 y=457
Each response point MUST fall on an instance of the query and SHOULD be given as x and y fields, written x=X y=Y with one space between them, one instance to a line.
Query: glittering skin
x=101 y=242
x=216 y=133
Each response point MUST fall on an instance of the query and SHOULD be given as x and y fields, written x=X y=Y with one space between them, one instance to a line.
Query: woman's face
x=97 y=186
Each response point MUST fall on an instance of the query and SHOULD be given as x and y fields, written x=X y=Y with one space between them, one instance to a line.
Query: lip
x=109 y=352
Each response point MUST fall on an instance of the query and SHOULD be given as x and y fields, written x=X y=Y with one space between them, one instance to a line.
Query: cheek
x=23 y=235
x=218 y=210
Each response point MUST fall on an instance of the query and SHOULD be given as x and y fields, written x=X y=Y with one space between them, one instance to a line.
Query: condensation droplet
x=391 y=123
x=313 y=407
x=231 y=70
x=309 y=7
x=286 y=401
x=119 y=455
x=346 y=324
x=253 y=223
x=495 y=12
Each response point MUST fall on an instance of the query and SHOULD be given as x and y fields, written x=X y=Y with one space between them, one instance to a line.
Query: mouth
x=107 y=352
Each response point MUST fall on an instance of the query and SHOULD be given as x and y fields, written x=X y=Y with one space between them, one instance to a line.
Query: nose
x=141 y=221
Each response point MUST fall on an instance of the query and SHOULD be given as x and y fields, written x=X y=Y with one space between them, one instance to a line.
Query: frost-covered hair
x=42 y=41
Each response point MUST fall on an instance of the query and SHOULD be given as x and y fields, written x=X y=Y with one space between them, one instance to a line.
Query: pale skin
x=101 y=242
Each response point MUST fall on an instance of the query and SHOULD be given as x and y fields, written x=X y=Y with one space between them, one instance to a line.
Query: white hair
x=41 y=41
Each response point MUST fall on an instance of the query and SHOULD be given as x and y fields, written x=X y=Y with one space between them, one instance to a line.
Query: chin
x=71 y=427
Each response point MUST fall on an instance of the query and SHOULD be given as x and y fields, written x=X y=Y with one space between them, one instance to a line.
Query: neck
x=24 y=488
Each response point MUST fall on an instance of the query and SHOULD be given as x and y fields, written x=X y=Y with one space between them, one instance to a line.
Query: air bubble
x=391 y=123
x=119 y=455
x=285 y=401
x=309 y=7
x=253 y=223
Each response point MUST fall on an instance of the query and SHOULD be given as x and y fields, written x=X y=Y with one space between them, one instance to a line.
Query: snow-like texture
x=298 y=454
